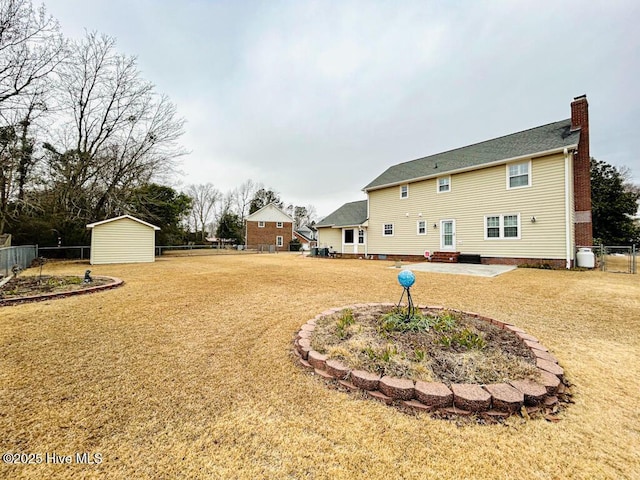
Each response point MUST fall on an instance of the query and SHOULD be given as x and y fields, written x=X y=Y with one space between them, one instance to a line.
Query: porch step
x=445 y=257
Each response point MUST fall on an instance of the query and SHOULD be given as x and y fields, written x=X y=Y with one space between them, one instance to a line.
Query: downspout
x=366 y=232
x=567 y=207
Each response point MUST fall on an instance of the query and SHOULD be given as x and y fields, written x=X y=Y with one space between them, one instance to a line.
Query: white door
x=447 y=235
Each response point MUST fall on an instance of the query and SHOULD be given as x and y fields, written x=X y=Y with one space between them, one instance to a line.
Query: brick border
x=493 y=400
x=116 y=282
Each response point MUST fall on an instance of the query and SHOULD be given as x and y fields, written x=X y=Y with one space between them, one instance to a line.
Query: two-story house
x=520 y=198
x=269 y=229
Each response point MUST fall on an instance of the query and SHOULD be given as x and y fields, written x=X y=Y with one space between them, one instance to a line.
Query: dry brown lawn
x=185 y=372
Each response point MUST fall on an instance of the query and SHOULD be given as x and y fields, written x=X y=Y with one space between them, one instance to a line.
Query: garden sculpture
x=406 y=279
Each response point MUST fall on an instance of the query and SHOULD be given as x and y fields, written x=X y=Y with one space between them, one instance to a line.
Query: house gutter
x=567 y=206
x=473 y=167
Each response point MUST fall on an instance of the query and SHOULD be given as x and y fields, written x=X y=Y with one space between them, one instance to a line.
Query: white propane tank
x=586 y=258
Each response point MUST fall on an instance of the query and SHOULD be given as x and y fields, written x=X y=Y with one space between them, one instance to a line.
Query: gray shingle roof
x=553 y=136
x=348 y=215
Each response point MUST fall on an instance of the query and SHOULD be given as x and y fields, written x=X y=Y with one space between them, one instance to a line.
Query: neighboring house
x=307 y=236
x=521 y=198
x=124 y=239
x=269 y=226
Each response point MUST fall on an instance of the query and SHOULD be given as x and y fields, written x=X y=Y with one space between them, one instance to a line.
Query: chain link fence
x=615 y=259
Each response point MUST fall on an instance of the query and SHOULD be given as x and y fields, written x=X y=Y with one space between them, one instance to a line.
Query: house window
x=510 y=226
x=260 y=224
x=387 y=230
x=422 y=227
x=518 y=175
x=404 y=191
x=444 y=184
x=493 y=227
x=279 y=241
x=361 y=237
x=348 y=236
x=502 y=226
x=279 y=224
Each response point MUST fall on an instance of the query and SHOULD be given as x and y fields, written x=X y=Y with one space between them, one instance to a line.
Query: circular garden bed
x=24 y=289
x=437 y=360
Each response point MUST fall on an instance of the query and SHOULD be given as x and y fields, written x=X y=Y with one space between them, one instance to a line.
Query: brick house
x=269 y=228
x=520 y=198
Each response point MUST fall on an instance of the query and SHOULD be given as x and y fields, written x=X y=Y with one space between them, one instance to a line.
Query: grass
x=185 y=372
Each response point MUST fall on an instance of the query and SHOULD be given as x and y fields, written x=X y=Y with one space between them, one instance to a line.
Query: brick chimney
x=582 y=172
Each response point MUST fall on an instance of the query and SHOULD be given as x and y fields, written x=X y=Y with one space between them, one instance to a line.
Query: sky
x=317 y=98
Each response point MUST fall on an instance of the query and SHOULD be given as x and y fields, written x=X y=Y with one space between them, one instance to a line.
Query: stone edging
x=497 y=400
x=116 y=282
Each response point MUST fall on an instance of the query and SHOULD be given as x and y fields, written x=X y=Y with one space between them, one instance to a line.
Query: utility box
x=585 y=258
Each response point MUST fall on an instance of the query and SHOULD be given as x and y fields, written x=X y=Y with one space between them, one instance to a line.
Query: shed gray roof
x=554 y=136
x=348 y=215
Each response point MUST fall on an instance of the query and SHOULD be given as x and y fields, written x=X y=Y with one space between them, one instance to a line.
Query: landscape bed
x=433 y=358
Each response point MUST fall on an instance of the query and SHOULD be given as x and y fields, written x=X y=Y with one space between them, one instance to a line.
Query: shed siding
x=122 y=241
x=473 y=195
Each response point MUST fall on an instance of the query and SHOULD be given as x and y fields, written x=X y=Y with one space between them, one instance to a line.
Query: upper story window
x=404 y=191
x=422 y=227
x=279 y=224
x=502 y=226
x=387 y=230
x=519 y=175
x=260 y=224
x=444 y=184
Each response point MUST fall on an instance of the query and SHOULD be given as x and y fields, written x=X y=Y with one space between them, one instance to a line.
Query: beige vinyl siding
x=330 y=237
x=122 y=241
x=474 y=195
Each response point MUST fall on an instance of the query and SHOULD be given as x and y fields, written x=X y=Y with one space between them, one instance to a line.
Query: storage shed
x=123 y=239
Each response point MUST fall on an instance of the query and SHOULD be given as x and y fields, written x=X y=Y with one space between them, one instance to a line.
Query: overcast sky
x=316 y=99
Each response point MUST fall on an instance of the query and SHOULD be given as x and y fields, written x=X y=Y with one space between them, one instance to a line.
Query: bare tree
x=116 y=134
x=204 y=201
x=303 y=215
x=242 y=196
x=17 y=156
x=31 y=48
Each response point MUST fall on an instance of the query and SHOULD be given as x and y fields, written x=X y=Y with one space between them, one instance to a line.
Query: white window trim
x=501 y=226
x=279 y=241
x=509 y=187
x=363 y=236
x=401 y=187
x=344 y=240
x=261 y=224
x=384 y=234
x=279 y=224
x=438 y=185
x=418 y=227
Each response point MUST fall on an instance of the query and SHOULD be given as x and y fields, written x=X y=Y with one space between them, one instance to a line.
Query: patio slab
x=461 y=268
